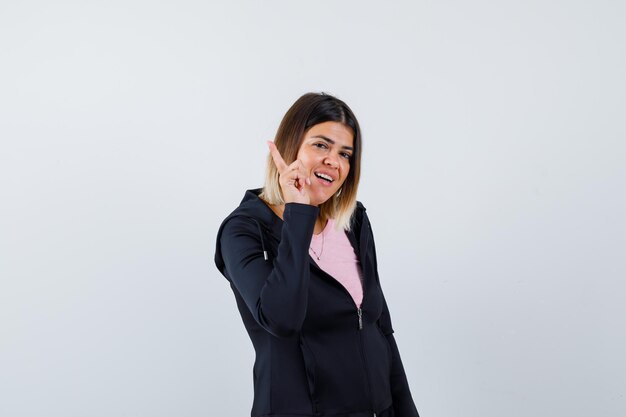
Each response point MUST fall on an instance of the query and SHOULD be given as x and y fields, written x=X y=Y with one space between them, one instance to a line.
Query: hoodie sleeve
x=275 y=291
x=403 y=404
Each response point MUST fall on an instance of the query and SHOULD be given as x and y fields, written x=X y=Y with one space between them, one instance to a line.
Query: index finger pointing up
x=278 y=159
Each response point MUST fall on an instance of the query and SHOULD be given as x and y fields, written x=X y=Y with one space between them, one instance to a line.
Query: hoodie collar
x=268 y=222
x=252 y=206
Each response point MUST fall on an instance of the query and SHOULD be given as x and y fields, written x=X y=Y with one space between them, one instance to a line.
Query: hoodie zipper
x=359 y=312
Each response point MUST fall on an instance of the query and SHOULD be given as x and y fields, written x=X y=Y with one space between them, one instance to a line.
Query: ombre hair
x=308 y=111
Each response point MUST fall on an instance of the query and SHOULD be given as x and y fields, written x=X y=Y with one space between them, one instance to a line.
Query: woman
x=300 y=258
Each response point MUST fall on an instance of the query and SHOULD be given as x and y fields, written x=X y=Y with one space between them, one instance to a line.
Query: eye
x=320 y=144
x=346 y=155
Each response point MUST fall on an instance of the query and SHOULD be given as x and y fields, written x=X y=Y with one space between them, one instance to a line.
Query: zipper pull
x=360 y=313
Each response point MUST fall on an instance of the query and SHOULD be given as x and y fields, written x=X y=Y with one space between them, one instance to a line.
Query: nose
x=331 y=161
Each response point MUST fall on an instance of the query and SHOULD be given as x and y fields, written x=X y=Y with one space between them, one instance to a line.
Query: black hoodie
x=317 y=354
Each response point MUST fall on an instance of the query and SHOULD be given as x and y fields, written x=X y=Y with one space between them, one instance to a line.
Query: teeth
x=326 y=177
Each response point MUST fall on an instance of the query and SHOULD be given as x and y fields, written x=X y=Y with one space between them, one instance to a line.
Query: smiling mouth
x=324 y=177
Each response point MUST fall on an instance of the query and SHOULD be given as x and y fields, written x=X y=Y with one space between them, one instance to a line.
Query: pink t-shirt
x=338 y=259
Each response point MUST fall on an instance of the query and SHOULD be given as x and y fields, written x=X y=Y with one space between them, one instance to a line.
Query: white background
x=493 y=174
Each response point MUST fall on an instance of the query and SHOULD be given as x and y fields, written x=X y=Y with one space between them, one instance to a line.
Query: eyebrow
x=332 y=142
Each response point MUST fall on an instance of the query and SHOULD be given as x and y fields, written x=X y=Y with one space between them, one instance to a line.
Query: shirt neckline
x=324 y=231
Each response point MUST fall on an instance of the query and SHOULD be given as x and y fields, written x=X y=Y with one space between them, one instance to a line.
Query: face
x=326 y=150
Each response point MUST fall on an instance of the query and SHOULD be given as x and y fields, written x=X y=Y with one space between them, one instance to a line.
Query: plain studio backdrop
x=494 y=175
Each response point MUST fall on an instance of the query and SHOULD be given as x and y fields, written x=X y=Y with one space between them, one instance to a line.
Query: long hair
x=308 y=111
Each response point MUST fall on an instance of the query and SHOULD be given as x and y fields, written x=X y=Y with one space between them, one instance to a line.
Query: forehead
x=341 y=134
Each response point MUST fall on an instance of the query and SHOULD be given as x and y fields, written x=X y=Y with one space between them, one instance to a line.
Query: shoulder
x=251 y=214
x=236 y=235
x=361 y=213
x=238 y=225
x=238 y=220
x=360 y=210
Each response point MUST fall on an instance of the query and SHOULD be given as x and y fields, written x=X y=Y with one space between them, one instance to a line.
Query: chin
x=323 y=200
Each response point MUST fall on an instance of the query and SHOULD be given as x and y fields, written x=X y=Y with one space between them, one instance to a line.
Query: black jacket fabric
x=317 y=354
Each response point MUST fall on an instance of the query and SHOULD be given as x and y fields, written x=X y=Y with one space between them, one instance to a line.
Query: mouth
x=324 y=178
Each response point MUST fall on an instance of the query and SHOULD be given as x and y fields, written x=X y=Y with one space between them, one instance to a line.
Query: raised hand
x=294 y=179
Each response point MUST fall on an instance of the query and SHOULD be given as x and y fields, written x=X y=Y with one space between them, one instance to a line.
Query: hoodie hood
x=268 y=223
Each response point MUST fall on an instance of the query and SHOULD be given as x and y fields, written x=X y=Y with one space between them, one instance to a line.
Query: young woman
x=300 y=257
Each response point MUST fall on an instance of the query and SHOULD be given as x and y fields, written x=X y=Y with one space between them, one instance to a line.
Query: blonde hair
x=308 y=111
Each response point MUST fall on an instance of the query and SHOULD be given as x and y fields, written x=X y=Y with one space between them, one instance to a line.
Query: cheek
x=345 y=170
x=304 y=158
x=345 y=167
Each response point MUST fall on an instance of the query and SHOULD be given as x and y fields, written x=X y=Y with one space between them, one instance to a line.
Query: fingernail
x=308 y=181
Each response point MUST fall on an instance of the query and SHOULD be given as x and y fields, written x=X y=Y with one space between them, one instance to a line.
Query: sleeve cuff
x=301 y=208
